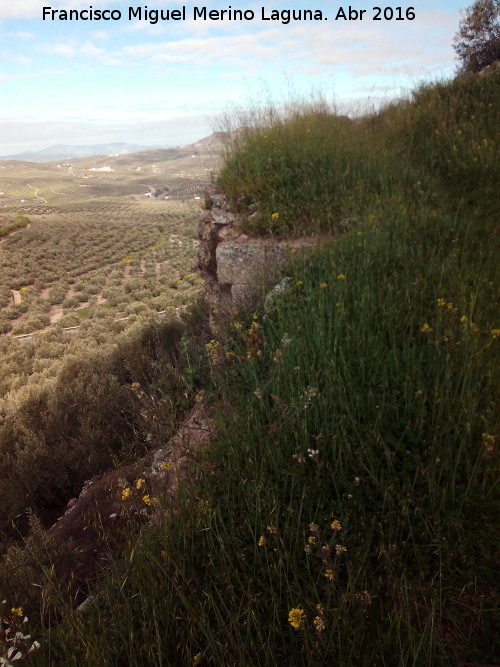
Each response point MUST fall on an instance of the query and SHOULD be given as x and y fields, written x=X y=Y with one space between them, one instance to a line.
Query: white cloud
x=64 y=50
x=186 y=66
x=20 y=34
x=100 y=34
x=362 y=49
x=366 y=50
x=92 y=51
x=204 y=51
x=19 y=60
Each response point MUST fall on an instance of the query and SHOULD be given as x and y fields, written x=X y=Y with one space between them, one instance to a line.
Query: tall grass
x=310 y=168
x=344 y=513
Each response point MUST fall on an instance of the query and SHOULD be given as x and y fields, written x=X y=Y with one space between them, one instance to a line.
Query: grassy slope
x=344 y=514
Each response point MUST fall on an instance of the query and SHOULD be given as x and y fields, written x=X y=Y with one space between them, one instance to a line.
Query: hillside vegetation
x=344 y=512
x=86 y=271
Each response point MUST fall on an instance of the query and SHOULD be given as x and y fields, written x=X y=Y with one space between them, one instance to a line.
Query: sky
x=166 y=83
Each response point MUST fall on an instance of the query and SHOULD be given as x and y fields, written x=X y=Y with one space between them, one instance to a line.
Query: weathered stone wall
x=233 y=263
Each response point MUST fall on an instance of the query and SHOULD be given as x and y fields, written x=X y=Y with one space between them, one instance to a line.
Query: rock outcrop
x=233 y=263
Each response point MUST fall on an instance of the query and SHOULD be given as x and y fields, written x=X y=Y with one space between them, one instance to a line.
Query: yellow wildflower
x=495 y=333
x=126 y=493
x=147 y=499
x=323 y=285
x=275 y=216
x=425 y=327
x=17 y=611
x=299 y=282
x=340 y=549
x=341 y=276
x=140 y=483
x=441 y=303
x=336 y=525
x=262 y=541
x=196 y=658
x=329 y=575
x=463 y=318
x=296 y=618
x=165 y=465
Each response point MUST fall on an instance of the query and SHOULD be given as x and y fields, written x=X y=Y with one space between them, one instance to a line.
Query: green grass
x=310 y=169
x=352 y=476
x=20 y=223
x=84 y=313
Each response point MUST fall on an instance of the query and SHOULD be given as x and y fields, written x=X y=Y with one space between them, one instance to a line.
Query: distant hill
x=123 y=154
x=207 y=148
x=62 y=151
x=29 y=183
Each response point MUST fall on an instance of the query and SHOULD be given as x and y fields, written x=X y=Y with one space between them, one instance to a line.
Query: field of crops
x=91 y=250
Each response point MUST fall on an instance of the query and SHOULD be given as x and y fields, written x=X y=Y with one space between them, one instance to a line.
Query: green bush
x=31 y=323
x=71 y=302
x=57 y=292
x=73 y=425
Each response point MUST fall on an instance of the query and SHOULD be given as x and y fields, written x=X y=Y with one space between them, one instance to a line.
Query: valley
x=93 y=247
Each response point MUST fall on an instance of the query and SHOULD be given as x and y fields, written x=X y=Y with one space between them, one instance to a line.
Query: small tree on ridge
x=477 y=41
